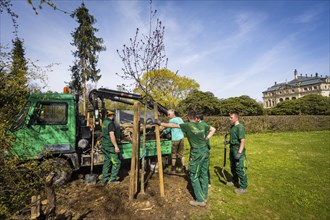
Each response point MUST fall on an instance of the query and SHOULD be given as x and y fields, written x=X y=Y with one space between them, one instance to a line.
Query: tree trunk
x=84 y=85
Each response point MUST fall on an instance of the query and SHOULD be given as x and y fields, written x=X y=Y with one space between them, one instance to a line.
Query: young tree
x=86 y=58
x=143 y=55
x=169 y=88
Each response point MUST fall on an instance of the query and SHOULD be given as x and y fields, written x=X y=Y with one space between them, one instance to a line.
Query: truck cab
x=47 y=124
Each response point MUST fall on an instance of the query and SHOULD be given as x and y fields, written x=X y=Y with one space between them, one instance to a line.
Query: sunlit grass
x=289 y=178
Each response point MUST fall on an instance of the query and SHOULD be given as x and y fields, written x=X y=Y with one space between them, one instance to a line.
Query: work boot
x=195 y=203
x=232 y=183
x=173 y=169
x=113 y=182
x=240 y=191
x=183 y=170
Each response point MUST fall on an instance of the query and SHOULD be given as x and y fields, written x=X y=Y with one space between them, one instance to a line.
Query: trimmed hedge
x=270 y=123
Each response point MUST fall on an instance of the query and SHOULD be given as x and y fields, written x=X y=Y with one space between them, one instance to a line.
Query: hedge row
x=264 y=124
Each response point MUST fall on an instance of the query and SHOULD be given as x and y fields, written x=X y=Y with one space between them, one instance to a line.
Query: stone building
x=298 y=87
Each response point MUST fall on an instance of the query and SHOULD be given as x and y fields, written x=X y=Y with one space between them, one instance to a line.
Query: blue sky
x=231 y=48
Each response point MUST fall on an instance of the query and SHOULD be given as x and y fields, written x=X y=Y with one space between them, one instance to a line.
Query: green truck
x=50 y=129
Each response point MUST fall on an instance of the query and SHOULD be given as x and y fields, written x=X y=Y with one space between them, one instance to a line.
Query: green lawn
x=288 y=176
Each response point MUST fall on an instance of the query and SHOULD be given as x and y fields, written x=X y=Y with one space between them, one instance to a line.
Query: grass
x=288 y=176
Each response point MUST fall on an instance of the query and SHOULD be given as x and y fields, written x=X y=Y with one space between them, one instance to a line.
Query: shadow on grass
x=223 y=175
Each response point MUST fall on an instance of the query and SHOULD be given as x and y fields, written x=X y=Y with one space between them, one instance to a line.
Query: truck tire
x=61 y=168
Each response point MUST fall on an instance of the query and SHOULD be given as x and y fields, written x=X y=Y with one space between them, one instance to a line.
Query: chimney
x=316 y=74
x=275 y=83
x=295 y=74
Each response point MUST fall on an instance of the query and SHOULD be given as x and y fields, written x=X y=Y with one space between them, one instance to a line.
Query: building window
x=305 y=89
x=281 y=100
x=292 y=90
x=287 y=99
x=310 y=88
x=315 y=87
x=293 y=98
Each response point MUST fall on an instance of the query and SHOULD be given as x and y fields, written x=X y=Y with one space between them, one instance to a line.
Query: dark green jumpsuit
x=238 y=168
x=109 y=154
x=199 y=157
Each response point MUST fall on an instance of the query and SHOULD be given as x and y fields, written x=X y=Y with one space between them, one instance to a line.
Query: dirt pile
x=80 y=201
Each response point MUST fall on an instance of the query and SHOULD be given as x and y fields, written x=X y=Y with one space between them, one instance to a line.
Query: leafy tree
x=13 y=85
x=86 y=58
x=243 y=104
x=308 y=105
x=169 y=88
x=314 y=105
x=202 y=102
x=41 y=2
x=6 y=5
x=288 y=107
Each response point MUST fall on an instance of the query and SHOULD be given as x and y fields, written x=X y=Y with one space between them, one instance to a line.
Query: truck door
x=51 y=128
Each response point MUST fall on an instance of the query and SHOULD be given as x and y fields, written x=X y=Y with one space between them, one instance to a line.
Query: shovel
x=91 y=178
x=225 y=142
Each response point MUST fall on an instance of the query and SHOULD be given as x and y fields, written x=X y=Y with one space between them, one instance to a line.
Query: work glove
x=238 y=155
x=206 y=139
x=157 y=122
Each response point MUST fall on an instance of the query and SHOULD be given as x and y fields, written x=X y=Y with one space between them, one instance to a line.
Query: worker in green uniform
x=237 y=154
x=198 y=135
x=200 y=118
x=110 y=150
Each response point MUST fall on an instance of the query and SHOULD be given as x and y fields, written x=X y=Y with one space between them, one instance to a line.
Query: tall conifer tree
x=13 y=84
x=86 y=58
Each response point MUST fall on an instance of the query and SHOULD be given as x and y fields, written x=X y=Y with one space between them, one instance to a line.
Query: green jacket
x=107 y=126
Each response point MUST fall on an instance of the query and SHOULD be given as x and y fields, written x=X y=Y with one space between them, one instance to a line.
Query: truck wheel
x=61 y=168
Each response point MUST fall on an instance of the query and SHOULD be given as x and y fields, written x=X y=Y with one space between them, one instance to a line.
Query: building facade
x=298 y=87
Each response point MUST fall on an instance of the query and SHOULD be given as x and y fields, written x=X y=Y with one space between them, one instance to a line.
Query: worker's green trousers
x=238 y=167
x=110 y=158
x=198 y=167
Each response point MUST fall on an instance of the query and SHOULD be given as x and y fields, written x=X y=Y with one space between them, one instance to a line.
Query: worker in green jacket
x=198 y=135
x=110 y=150
x=237 y=154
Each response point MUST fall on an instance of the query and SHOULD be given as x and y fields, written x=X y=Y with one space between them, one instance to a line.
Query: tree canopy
x=168 y=87
x=202 y=102
x=242 y=104
x=308 y=105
